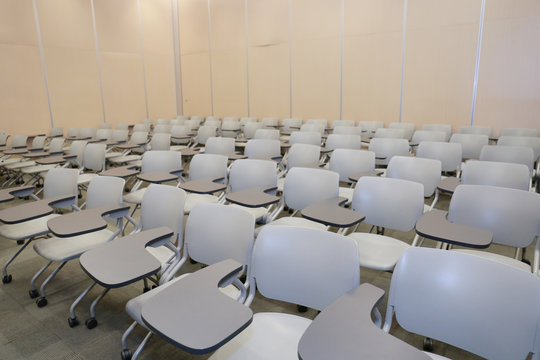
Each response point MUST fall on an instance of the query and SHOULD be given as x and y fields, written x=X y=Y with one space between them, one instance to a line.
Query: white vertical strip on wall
x=210 y=58
x=247 y=55
x=42 y=55
x=477 y=64
x=341 y=59
x=290 y=60
x=403 y=47
x=142 y=57
x=177 y=58
x=98 y=60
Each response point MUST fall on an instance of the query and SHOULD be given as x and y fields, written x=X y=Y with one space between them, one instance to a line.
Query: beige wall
x=243 y=65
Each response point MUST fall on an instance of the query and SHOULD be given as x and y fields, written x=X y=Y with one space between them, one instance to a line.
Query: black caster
x=301 y=308
x=146 y=289
x=154 y=286
x=33 y=293
x=26 y=198
x=79 y=196
x=526 y=261
x=291 y=211
x=126 y=354
x=20 y=242
x=41 y=302
x=6 y=279
x=91 y=323
x=127 y=190
x=73 y=322
x=192 y=262
x=428 y=344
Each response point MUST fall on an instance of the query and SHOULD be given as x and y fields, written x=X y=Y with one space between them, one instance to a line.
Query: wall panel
x=23 y=96
x=509 y=76
x=372 y=60
x=441 y=46
x=159 y=57
x=195 y=57
x=229 y=67
x=269 y=80
x=121 y=62
x=70 y=59
x=316 y=60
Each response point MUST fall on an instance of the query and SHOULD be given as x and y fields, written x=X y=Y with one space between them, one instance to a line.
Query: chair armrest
x=434 y=225
x=344 y=330
x=178 y=315
x=19 y=191
x=86 y=221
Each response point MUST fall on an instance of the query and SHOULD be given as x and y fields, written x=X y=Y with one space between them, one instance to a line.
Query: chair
x=162 y=122
x=179 y=121
x=102 y=191
x=424 y=171
x=205 y=132
x=160 y=141
x=519 y=132
x=513 y=216
x=55 y=132
x=439 y=127
x=182 y=117
x=230 y=237
x=179 y=130
x=93 y=161
x=58 y=182
x=266 y=149
x=122 y=127
x=250 y=128
x=514 y=176
x=213 y=121
x=370 y=126
x=162 y=205
x=88 y=133
x=301 y=188
x=230 y=127
x=148 y=122
x=305 y=137
x=477 y=305
x=343 y=141
x=137 y=138
x=346 y=123
x=408 y=128
x=291 y=124
x=299 y=155
x=313 y=127
x=196 y=121
x=104 y=134
x=510 y=154
x=154 y=160
x=471 y=144
x=449 y=154
x=388 y=147
x=266 y=134
x=347 y=162
x=270 y=123
x=219 y=145
x=302 y=266
x=162 y=129
x=387 y=203
x=388 y=133
x=205 y=166
x=532 y=142
x=485 y=130
x=73 y=132
x=351 y=130
x=428 y=135
x=3 y=139
x=141 y=128
x=120 y=136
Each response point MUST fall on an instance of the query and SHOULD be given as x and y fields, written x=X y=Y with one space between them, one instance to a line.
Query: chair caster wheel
x=428 y=344
x=301 y=308
x=126 y=354
x=26 y=198
x=291 y=211
x=79 y=196
x=41 y=302
x=73 y=322
x=146 y=289
x=33 y=293
x=127 y=190
x=192 y=262
x=20 y=242
x=91 y=323
x=526 y=261
x=154 y=286
x=6 y=279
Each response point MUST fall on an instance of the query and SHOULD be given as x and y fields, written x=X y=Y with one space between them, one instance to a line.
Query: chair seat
x=270 y=336
x=499 y=258
x=378 y=252
x=178 y=147
x=194 y=199
x=20 y=165
x=293 y=221
x=135 y=197
x=125 y=159
x=135 y=305
x=65 y=249
x=26 y=229
x=85 y=178
x=37 y=169
x=258 y=213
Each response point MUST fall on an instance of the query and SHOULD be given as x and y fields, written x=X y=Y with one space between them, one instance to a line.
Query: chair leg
x=6 y=278
x=72 y=320
x=33 y=289
x=126 y=334
x=141 y=346
x=91 y=322
x=42 y=300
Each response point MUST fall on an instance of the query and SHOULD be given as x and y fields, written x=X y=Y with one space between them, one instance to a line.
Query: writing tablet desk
x=121 y=171
x=448 y=185
x=203 y=186
x=357 y=176
x=33 y=210
x=157 y=177
x=189 y=152
x=255 y=197
x=18 y=191
x=52 y=160
x=344 y=330
x=435 y=226
x=85 y=221
x=193 y=314
x=330 y=213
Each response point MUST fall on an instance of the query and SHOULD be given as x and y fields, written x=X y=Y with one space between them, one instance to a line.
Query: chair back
x=94 y=157
x=162 y=129
x=208 y=166
x=388 y=147
x=56 y=131
x=303 y=155
x=163 y=205
x=514 y=176
x=428 y=135
x=77 y=148
x=250 y=128
x=510 y=154
x=389 y=133
x=532 y=142
x=439 y=127
x=266 y=134
x=471 y=144
x=485 y=130
x=263 y=148
x=306 y=186
x=370 y=126
x=56 y=145
x=104 y=191
x=252 y=173
x=519 y=132
x=351 y=130
x=161 y=160
x=479 y=305
x=120 y=135
x=448 y=153
x=408 y=128
x=104 y=134
x=425 y=171
x=219 y=145
x=344 y=141
x=305 y=137
x=60 y=182
x=205 y=132
x=347 y=162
